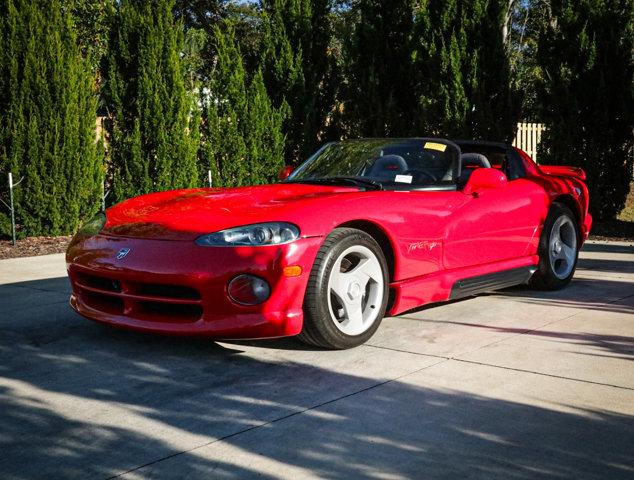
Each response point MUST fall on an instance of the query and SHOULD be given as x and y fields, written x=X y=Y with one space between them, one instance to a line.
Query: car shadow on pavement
x=606 y=247
x=617 y=346
x=80 y=400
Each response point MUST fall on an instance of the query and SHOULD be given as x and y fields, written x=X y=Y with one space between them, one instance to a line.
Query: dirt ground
x=33 y=246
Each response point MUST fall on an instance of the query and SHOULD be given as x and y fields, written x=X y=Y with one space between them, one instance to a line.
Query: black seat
x=387 y=167
x=469 y=162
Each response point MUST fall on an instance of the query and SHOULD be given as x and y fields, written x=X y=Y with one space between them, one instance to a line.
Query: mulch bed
x=33 y=246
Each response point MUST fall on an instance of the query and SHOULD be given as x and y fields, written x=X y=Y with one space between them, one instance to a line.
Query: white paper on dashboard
x=403 y=179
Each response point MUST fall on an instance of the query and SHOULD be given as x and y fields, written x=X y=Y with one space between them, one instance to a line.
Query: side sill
x=491 y=281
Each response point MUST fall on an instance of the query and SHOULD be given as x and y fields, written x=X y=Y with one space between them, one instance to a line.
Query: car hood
x=186 y=214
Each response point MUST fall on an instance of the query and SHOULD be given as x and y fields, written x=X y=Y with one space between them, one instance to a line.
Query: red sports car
x=362 y=228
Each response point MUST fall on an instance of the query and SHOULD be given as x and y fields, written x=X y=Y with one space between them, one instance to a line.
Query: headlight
x=271 y=233
x=94 y=225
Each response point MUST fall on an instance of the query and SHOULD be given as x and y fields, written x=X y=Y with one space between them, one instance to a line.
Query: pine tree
x=298 y=68
x=585 y=55
x=243 y=143
x=47 y=118
x=154 y=130
x=464 y=83
x=380 y=84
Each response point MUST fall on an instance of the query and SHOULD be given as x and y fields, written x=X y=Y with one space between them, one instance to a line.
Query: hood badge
x=122 y=253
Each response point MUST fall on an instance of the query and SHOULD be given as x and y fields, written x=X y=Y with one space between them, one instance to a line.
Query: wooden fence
x=528 y=137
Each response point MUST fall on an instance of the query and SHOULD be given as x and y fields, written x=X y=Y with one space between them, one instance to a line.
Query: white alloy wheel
x=355 y=290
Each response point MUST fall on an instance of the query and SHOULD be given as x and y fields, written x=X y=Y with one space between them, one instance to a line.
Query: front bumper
x=179 y=288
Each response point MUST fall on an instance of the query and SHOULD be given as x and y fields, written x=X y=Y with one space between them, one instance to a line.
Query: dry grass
x=627 y=215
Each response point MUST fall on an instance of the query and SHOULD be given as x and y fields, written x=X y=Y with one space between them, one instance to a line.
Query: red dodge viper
x=362 y=228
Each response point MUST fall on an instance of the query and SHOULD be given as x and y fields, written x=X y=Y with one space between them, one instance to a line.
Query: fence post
x=209 y=178
x=528 y=137
x=12 y=208
x=103 y=200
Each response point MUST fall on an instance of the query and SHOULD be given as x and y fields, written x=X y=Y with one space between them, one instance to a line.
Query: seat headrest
x=388 y=164
x=475 y=160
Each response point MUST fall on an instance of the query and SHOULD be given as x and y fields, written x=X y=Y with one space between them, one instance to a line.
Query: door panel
x=498 y=224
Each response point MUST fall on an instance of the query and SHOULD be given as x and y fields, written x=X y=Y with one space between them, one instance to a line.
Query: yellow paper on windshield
x=441 y=147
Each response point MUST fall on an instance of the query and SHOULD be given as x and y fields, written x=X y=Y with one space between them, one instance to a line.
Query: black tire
x=546 y=278
x=319 y=327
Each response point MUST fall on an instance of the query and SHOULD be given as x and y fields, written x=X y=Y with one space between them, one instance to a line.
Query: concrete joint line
x=276 y=420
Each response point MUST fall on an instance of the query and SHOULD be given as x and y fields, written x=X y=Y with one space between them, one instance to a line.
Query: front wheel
x=347 y=291
x=558 y=249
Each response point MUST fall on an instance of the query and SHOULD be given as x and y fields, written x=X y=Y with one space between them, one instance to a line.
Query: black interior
x=499 y=155
x=469 y=162
x=424 y=166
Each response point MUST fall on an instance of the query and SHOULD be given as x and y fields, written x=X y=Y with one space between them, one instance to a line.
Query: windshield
x=390 y=163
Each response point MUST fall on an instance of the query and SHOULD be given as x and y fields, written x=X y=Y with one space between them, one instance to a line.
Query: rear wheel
x=347 y=291
x=558 y=249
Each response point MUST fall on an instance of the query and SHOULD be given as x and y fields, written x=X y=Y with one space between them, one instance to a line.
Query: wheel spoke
x=558 y=255
x=339 y=284
x=367 y=269
x=567 y=253
x=354 y=314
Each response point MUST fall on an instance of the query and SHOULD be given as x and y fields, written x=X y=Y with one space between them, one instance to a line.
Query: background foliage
x=243 y=87
x=154 y=127
x=242 y=140
x=47 y=118
x=586 y=94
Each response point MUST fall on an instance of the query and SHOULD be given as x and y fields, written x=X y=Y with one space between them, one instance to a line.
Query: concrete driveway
x=512 y=385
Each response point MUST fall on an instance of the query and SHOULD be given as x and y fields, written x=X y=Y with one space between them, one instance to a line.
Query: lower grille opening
x=149 y=302
x=100 y=283
x=166 y=291
x=168 y=312
x=103 y=303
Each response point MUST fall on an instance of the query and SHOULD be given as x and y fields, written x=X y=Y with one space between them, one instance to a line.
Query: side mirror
x=484 y=179
x=285 y=172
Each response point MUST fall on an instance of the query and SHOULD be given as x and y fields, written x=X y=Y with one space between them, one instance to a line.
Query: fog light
x=248 y=290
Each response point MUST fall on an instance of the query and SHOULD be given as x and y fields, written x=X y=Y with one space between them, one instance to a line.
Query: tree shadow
x=80 y=400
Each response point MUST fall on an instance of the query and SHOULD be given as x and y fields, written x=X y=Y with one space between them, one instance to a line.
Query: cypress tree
x=92 y=19
x=298 y=68
x=440 y=58
x=585 y=55
x=380 y=93
x=47 y=118
x=154 y=129
x=465 y=87
x=243 y=143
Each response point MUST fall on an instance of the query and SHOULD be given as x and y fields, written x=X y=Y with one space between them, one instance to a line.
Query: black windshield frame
x=437 y=146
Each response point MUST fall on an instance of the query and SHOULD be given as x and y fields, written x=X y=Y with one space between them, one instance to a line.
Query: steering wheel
x=420 y=174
